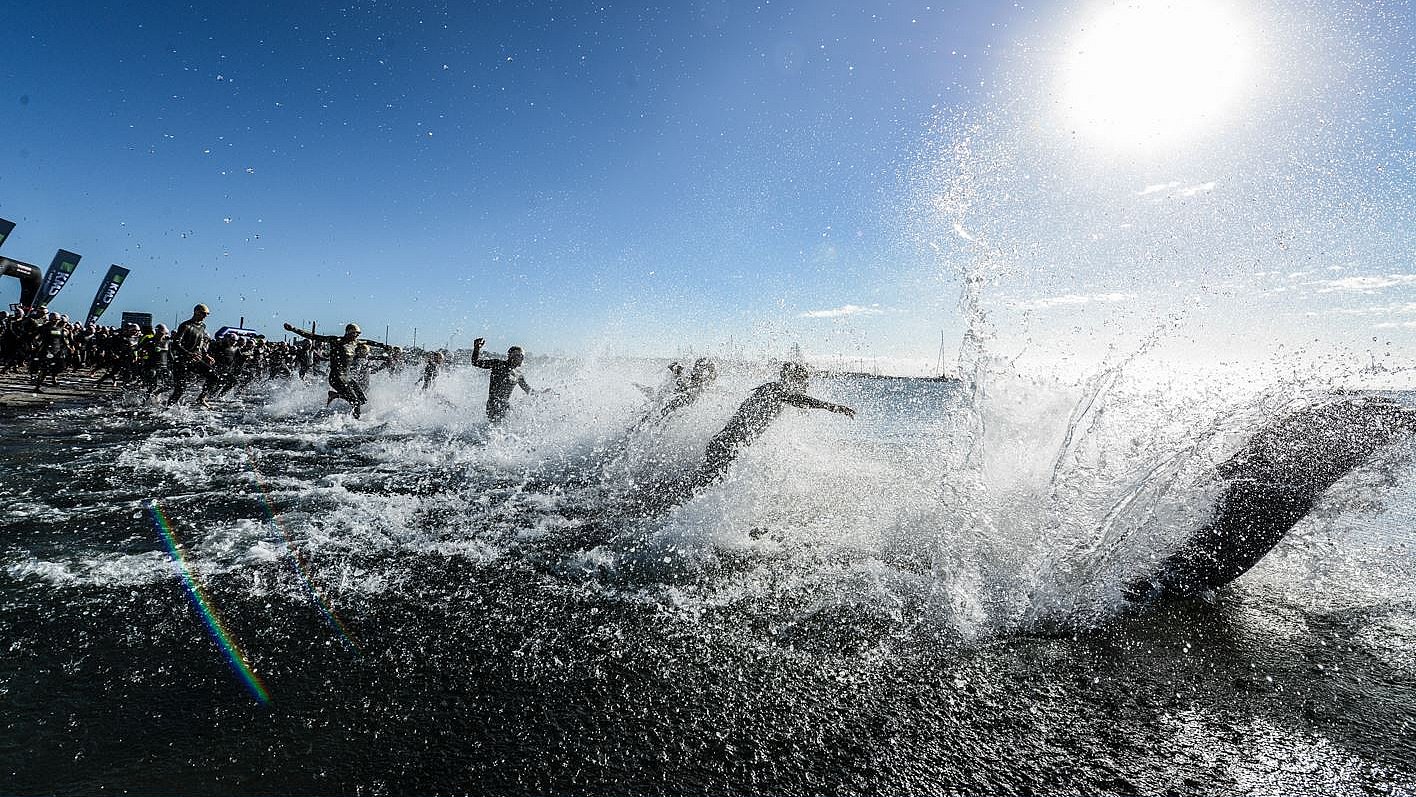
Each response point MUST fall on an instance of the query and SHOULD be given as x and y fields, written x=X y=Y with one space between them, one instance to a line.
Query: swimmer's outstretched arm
x=808 y=403
x=310 y=335
x=524 y=386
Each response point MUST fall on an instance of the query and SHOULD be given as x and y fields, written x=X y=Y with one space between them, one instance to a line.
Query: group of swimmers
x=750 y=421
x=49 y=344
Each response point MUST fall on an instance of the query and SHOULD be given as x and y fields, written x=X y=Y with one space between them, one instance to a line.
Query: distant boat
x=941 y=374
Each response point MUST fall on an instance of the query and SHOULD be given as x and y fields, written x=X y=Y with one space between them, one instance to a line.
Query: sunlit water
x=925 y=599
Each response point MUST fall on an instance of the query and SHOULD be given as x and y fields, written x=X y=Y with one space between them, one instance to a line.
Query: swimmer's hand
x=289 y=327
x=842 y=409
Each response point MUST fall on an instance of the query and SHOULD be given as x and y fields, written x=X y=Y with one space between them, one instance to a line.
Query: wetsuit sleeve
x=312 y=336
x=482 y=362
x=377 y=345
x=807 y=402
x=522 y=381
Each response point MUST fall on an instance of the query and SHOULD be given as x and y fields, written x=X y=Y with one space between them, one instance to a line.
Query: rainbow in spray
x=300 y=570
x=203 y=605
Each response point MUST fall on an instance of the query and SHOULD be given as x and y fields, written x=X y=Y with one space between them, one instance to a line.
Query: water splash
x=297 y=560
x=202 y=604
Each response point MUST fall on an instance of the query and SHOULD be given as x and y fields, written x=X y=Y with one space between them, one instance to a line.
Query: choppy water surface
x=924 y=600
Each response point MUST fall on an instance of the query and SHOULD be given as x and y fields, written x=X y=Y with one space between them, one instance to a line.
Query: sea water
x=275 y=597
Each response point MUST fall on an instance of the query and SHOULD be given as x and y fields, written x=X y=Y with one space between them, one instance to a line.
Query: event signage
x=106 y=292
x=60 y=269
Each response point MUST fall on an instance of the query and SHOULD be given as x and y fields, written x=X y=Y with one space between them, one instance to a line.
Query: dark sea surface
x=925 y=600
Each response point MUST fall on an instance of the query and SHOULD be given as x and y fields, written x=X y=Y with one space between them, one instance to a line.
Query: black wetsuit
x=306 y=358
x=55 y=348
x=505 y=378
x=122 y=358
x=430 y=373
x=156 y=356
x=341 y=359
x=752 y=418
x=189 y=348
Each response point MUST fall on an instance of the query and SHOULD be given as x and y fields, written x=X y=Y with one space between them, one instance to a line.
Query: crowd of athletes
x=161 y=363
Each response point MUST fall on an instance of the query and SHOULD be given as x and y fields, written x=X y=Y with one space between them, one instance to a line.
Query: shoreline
x=17 y=390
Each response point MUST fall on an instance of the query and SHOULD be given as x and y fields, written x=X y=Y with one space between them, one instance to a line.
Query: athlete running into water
x=506 y=376
x=436 y=361
x=342 y=353
x=753 y=417
x=189 y=356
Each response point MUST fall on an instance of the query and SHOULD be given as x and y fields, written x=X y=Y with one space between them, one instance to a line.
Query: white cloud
x=844 y=311
x=1197 y=188
x=1073 y=299
x=1167 y=190
x=1158 y=187
x=1408 y=308
x=1363 y=284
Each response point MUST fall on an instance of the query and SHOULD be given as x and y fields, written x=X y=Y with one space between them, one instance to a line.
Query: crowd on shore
x=156 y=361
x=47 y=346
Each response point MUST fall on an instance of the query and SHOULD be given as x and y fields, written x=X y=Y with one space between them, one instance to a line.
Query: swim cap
x=794 y=371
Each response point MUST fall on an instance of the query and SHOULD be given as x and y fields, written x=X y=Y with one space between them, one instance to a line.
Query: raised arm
x=477 y=354
x=808 y=403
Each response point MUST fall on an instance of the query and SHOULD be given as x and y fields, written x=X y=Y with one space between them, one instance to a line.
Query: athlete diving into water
x=753 y=417
x=342 y=353
x=684 y=392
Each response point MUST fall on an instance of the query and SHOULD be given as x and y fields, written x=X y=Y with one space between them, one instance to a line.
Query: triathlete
x=506 y=377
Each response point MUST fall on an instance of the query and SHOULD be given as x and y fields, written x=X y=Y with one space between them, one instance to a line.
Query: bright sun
x=1145 y=73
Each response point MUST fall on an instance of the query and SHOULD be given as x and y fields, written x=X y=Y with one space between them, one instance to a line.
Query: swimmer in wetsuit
x=189 y=356
x=753 y=417
x=685 y=391
x=506 y=376
x=435 y=364
x=343 y=351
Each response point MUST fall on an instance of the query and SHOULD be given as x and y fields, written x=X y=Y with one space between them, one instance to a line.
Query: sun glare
x=1146 y=73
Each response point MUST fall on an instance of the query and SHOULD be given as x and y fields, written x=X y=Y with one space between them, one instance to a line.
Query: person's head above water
x=351 y=331
x=704 y=371
x=515 y=355
x=200 y=311
x=794 y=372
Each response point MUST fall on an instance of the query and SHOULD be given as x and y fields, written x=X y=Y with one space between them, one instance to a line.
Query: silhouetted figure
x=189 y=356
x=684 y=391
x=1272 y=483
x=506 y=376
x=343 y=352
x=753 y=417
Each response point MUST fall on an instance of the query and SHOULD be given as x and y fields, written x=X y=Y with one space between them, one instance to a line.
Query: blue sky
x=648 y=178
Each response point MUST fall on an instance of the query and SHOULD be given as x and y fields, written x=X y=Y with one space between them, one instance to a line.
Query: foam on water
x=1034 y=507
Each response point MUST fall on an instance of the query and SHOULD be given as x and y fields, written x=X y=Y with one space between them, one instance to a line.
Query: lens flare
x=203 y=605
x=297 y=562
